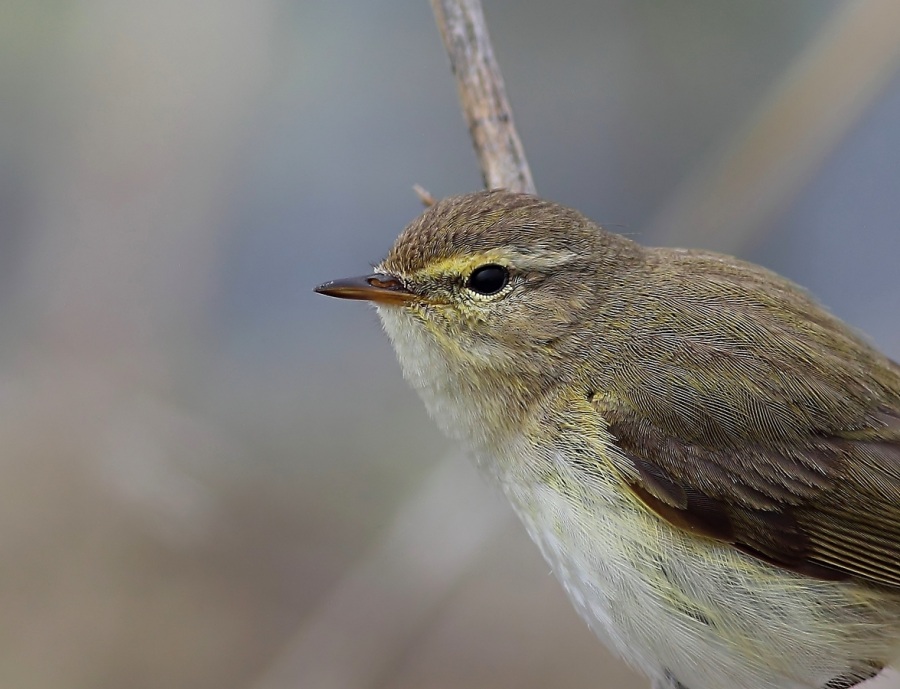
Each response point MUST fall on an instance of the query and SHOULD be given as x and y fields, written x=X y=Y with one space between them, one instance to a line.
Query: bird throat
x=479 y=418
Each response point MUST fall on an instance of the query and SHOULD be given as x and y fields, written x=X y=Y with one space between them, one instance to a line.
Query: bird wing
x=771 y=426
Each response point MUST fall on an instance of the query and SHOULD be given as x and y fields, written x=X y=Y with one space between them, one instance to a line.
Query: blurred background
x=214 y=478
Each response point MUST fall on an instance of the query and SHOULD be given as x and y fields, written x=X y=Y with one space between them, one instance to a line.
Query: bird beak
x=378 y=287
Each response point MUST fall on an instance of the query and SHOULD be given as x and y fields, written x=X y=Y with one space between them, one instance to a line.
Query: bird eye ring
x=488 y=279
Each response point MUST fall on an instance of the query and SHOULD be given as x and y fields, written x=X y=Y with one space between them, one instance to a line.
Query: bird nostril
x=384 y=282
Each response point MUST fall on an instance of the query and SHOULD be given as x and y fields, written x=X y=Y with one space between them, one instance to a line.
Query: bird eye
x=488 y=279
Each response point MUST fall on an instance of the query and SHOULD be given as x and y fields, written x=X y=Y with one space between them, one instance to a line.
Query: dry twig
x=482 y=95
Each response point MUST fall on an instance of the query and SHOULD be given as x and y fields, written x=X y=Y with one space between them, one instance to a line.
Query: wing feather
x=763 y=422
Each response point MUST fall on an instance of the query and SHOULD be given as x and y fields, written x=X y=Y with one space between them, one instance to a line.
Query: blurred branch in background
x=757 y=173
x=362 y=628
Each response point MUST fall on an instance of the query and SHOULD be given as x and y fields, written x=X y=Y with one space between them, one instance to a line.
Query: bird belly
x=677 y=605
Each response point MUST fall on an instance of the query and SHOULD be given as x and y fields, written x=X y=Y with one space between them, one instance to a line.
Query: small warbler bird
x=708 y=460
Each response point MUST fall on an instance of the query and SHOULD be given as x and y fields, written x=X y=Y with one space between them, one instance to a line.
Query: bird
x=708 y=460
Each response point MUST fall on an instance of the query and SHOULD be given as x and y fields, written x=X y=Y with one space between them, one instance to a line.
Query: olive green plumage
x=704 y=407
x=743 y=409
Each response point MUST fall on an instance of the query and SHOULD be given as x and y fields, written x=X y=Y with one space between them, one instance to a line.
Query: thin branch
x=482 y=95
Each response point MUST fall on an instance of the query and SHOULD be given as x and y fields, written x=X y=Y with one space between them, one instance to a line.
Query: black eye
x=488 y=279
